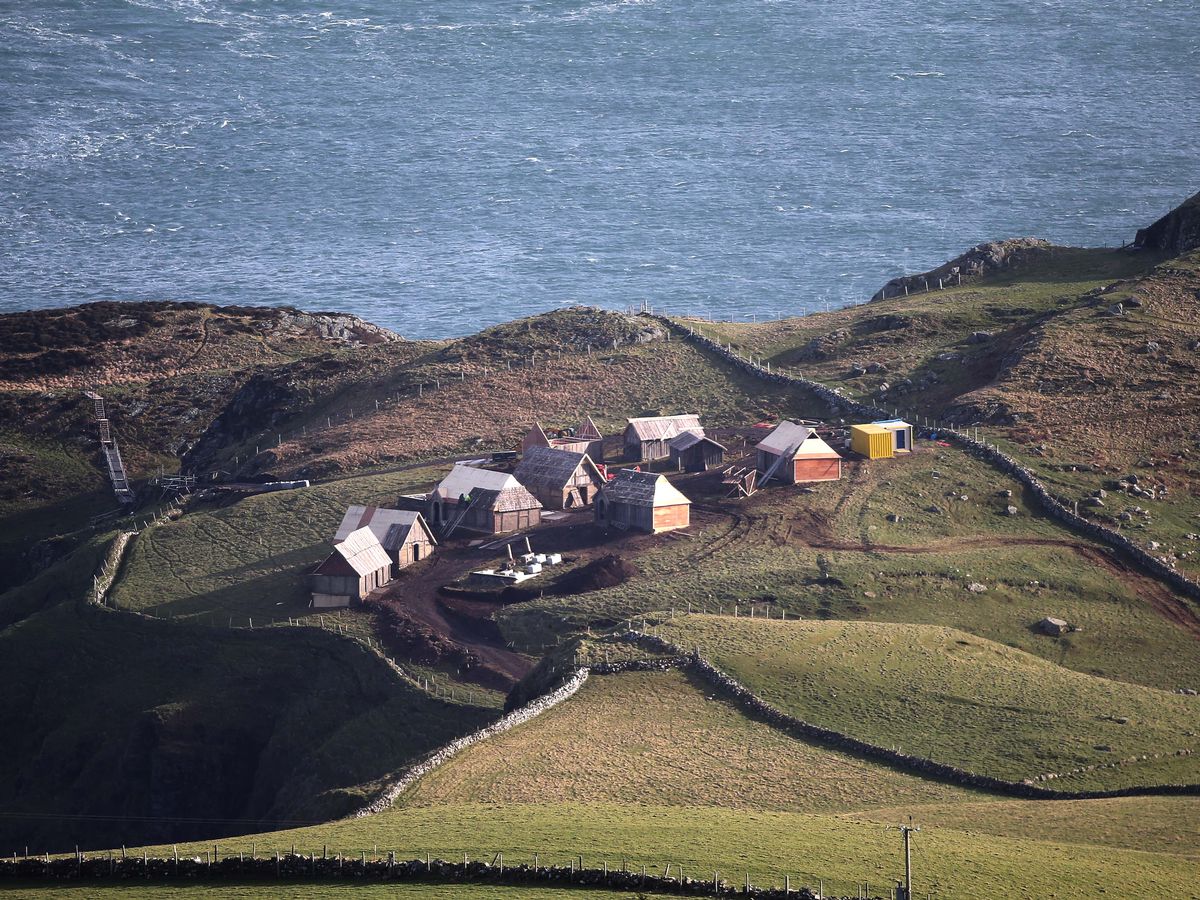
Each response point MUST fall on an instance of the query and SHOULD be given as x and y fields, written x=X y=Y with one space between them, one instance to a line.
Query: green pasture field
x=947 y=695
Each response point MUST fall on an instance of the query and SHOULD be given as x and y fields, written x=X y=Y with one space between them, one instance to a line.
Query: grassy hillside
x=640 y=730
x=832 y=552
x=615 y=742
x=248 y=560
x=1037 y=357
x=944 y=694
x=179 y=729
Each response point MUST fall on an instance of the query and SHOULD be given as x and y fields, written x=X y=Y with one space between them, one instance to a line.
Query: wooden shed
x=403 y=533
x=584 y=439
x=901 y=432
x=872 y=441
x=482 y=500
x=643 y=501
x=649 y=437
x=357 y=566
x=560 y=479
x=794 y=454
x=693 y=451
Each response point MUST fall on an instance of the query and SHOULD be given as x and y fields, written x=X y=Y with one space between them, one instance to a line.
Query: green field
x=950 y=696
x=834 y=554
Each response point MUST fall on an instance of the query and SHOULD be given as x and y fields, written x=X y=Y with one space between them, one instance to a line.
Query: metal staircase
x=112 y=453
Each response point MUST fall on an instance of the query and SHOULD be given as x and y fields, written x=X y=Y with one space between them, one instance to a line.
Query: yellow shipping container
x=872 y=441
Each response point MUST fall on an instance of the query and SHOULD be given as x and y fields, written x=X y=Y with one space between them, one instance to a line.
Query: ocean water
x=438 y=166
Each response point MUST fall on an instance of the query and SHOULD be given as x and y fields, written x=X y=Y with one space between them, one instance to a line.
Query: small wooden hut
x=794 y=454
x=560 y=479
x=649 y=437
x=643 y=501
x=403 y=533
x=483 y=500
x=693 y=451
x=357 y=566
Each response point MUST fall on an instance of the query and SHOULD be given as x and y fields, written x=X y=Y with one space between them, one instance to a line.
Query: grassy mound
x=950 y=696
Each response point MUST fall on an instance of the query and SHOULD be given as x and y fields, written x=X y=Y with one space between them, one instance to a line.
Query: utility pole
x=907 y=831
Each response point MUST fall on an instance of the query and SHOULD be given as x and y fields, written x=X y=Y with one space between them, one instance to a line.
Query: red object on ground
x=764 y=425
x=942 y=443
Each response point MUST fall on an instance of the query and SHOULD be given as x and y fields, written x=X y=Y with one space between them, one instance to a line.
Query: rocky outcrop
x=980 y=261
x=1175 y=233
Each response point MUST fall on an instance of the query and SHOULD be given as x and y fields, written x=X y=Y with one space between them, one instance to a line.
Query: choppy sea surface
x=438 y=166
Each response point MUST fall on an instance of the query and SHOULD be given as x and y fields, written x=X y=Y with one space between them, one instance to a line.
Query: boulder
x=1011 y=511
x=976 y=588
x=980 y=337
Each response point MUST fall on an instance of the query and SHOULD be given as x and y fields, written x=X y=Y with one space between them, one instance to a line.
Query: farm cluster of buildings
x=568 y=472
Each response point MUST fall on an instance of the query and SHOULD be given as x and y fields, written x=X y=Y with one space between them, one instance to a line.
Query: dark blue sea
x=438 y=166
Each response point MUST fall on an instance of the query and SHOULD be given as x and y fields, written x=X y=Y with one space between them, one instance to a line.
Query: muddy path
x=424 y=624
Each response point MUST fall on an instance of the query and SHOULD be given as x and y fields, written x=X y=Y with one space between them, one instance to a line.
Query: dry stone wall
x=928 y=768
x=517 y=717
x=1161 y=567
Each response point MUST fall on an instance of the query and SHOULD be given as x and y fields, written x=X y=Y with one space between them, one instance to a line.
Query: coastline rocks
x=981 y=260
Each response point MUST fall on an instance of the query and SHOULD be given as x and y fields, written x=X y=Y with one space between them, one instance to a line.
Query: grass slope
x=656 y=737
x=303 y=891
x=248 y=560
x=833 y=553
x=181 y=729
x=944 y=694
x=840 y=851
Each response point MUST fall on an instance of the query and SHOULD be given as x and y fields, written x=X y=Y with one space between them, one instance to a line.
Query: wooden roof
x=507 y=500
x=643 y=489
x=361 y=552
x=663 y=428
x=690 y=439
x=801 y=440
x=553 y=468
x=390 y=526
x=464 y=479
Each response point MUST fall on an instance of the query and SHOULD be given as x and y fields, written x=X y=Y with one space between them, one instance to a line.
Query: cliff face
x=1175 y=233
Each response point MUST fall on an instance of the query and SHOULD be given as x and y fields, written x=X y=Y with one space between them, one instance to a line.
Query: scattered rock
x=1011 y=511
x=876 y=367
x=976 y=588
x=893 y=517
x=1093 y=502
x=980 y=337
x=1116 y=309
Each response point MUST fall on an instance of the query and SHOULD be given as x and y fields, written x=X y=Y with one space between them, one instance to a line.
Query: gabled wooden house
x=643 y=501
x=693 y=451
x=403 y=533
x=483 y=500
x=648 y=437
x=794 y=454
x=357 y=566
x=560 y=479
